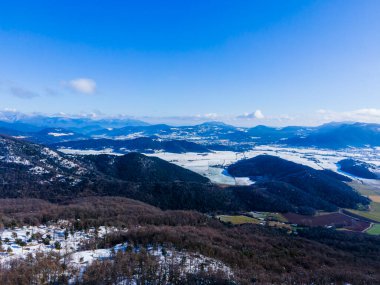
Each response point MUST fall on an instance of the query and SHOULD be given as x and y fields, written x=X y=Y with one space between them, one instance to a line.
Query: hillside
x=315 y=188
x=136 y=167
x=249 y=250
x=31 y=170
x=358 y=168
x=53 y=135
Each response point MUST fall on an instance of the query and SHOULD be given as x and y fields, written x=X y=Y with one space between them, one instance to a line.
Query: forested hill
x=136 y=167
x=31 y=170
x=299 y=184
x=359 y=168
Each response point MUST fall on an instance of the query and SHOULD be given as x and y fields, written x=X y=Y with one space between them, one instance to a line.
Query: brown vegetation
x=256 y=254
x=338 y=220
x=124 y=268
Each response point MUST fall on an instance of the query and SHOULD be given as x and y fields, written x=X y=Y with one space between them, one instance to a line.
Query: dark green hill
x=316 y=189
x=358 y=168
x=136 y=167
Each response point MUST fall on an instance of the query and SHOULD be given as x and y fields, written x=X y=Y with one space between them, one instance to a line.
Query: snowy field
x=18 y=243
x=213 y=164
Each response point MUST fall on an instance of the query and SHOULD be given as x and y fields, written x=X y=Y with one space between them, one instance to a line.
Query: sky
x=283 y=62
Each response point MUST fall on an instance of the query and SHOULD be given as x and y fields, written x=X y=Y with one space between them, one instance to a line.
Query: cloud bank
x=319 y=117
x=368 y=115
x=83 y=85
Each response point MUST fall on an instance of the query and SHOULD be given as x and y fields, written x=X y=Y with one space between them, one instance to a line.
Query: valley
x=189 y=203
x=190 y=142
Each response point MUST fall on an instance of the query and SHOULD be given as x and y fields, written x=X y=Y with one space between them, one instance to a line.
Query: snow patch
x=60 y=134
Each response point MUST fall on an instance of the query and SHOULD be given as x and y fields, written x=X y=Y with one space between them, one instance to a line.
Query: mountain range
x=141 y=144
x=211 y=135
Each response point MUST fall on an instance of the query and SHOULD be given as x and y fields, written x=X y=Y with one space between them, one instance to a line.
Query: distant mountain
x=334 y=135
x=213 y=135
x=203 y=131
x=133 y=131
x=359 y=169
x=17 y=127
x=338 y=135
x=10 y=132
x=269 y=135
x=53 y=135
x=36 y=122
x=44 y=136
x=143 y=144
x=316 y=189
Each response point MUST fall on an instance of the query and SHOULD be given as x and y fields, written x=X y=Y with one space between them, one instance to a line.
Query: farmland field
x=374 y=230
x=238 y=220
x=375 y=198
x=372 y=190
x=276 y=217
x=368 y=188
x=268 y=216
x=263 y=218
x=373 y=213
x=338 y=220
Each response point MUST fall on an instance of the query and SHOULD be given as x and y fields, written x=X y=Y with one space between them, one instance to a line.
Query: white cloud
x=368 y=112
x=258 y=114
x=212 y=116
x=83 y=85
x=366 y=115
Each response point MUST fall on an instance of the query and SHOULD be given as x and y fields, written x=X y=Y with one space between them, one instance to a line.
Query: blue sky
x=243 y=62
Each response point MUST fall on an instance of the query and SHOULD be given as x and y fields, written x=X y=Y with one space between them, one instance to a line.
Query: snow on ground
x=35 y=239
x=243 y=181
x=60 y=134
x=15 y=159
x=130 y=136
x=19 y=242
x=88 y=151
x=38 y=170
x=86 y=257
x=190 y=261
x=212 y=165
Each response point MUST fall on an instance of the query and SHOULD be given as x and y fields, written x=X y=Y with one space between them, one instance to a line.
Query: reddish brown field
x=338 y=220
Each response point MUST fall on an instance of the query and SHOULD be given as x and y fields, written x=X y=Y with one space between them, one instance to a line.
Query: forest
x=256 y=254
